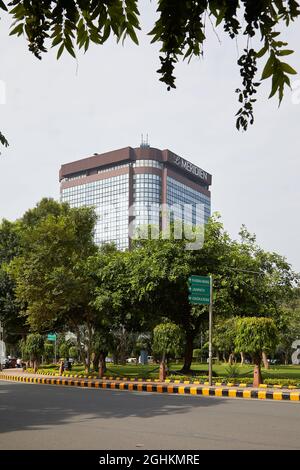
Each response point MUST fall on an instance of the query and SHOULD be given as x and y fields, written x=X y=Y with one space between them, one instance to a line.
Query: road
x=51 y=417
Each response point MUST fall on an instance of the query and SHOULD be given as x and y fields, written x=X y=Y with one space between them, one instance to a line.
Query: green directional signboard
x=199 y=289
x=51 y=337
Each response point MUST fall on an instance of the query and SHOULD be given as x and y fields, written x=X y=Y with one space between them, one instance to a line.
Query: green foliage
x=66 y=24
x=224 y=334
x=197 y=354
x=34 y=345
x=3 y=140
x=64 y=350
x=73 y=352
x=233 y=371
x=180 y=29
x=14 y=325
x=48 y=351
x=254 y=335
x=50 y=271
x=167 y=339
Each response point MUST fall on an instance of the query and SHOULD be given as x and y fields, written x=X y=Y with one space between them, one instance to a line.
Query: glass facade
x=110 y=196
x=186 y=203
x=110 y=199
x=146 y=199
x=149 y=163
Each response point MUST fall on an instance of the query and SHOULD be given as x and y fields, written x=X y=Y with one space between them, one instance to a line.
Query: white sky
x=57 y=112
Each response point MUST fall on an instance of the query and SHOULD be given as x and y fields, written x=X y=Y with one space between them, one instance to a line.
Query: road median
x=155 y=387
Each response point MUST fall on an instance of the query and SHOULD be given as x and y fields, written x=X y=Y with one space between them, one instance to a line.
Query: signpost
x=52 y=337
x=200 y=289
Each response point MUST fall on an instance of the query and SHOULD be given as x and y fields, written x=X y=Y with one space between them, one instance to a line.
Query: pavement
x=53 y=417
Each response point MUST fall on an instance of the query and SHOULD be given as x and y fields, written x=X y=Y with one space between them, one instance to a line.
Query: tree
x=13 y=324
x=180 y=29
x=64 y=350
x=255 y=335
x=73 y=352
x=102 y=344
x=35 y=347
x=119 y=312
x=159 y=271
x=51 y=273
x=224 y=336
x=167 y=340
x=289 y=326
x=48 y=352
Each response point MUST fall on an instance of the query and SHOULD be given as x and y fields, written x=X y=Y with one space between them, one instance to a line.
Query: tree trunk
x=286 y=359
x=87 y=367
x=96 y=360
x=188 y=353
x=242 y=358
x=162 y=369
x=230 y=359
x=265 y=360
x=61 y=367
x=102 y=364
x=224 y=357
x=257 y=377
x=35 y=366
x=89 y=349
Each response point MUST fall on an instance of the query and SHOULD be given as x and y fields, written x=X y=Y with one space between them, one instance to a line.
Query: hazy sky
x=57 y=112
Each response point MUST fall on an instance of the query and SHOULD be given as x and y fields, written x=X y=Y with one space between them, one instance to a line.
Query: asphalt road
x=52 y=417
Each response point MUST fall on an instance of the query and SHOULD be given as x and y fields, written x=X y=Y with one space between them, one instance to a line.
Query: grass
x=152 y=370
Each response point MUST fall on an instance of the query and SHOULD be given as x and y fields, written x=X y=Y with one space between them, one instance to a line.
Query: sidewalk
x=153 y=386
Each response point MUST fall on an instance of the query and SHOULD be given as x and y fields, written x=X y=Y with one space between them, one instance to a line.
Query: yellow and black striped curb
x=163 y=388
x=172 y=381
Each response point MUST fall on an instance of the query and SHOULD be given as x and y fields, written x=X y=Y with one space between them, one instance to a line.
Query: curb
x=172 y=389
x=172 y=381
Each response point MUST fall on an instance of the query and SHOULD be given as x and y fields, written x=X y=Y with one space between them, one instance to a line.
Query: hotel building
x=130 y=185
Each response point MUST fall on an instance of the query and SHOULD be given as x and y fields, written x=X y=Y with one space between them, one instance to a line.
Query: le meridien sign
x=190 y=167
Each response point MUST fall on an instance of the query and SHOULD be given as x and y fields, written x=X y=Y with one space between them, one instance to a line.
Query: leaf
x=133 y=36
x=262 y=52
x=285 y=52
x=288 y=69
x=56 y=40
x=17 y=30
x=277 y=78
x=3 y=140
x=268 y=69
x=60 y=51
x=3 y=6
x=70 y=48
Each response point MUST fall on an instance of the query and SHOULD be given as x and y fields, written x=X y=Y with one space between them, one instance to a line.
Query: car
x=273 y=361
x=9 y=363
x=131 y=360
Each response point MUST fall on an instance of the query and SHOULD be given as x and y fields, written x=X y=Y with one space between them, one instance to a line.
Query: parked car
x=131 y=360
x=9 y=363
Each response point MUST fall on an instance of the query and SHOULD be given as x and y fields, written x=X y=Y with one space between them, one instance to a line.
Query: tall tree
x=119 y=314
x=52 y=280
x=159 y=278
x=13 y=324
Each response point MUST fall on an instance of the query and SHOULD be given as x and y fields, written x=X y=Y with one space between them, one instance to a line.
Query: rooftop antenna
x=145 y=142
